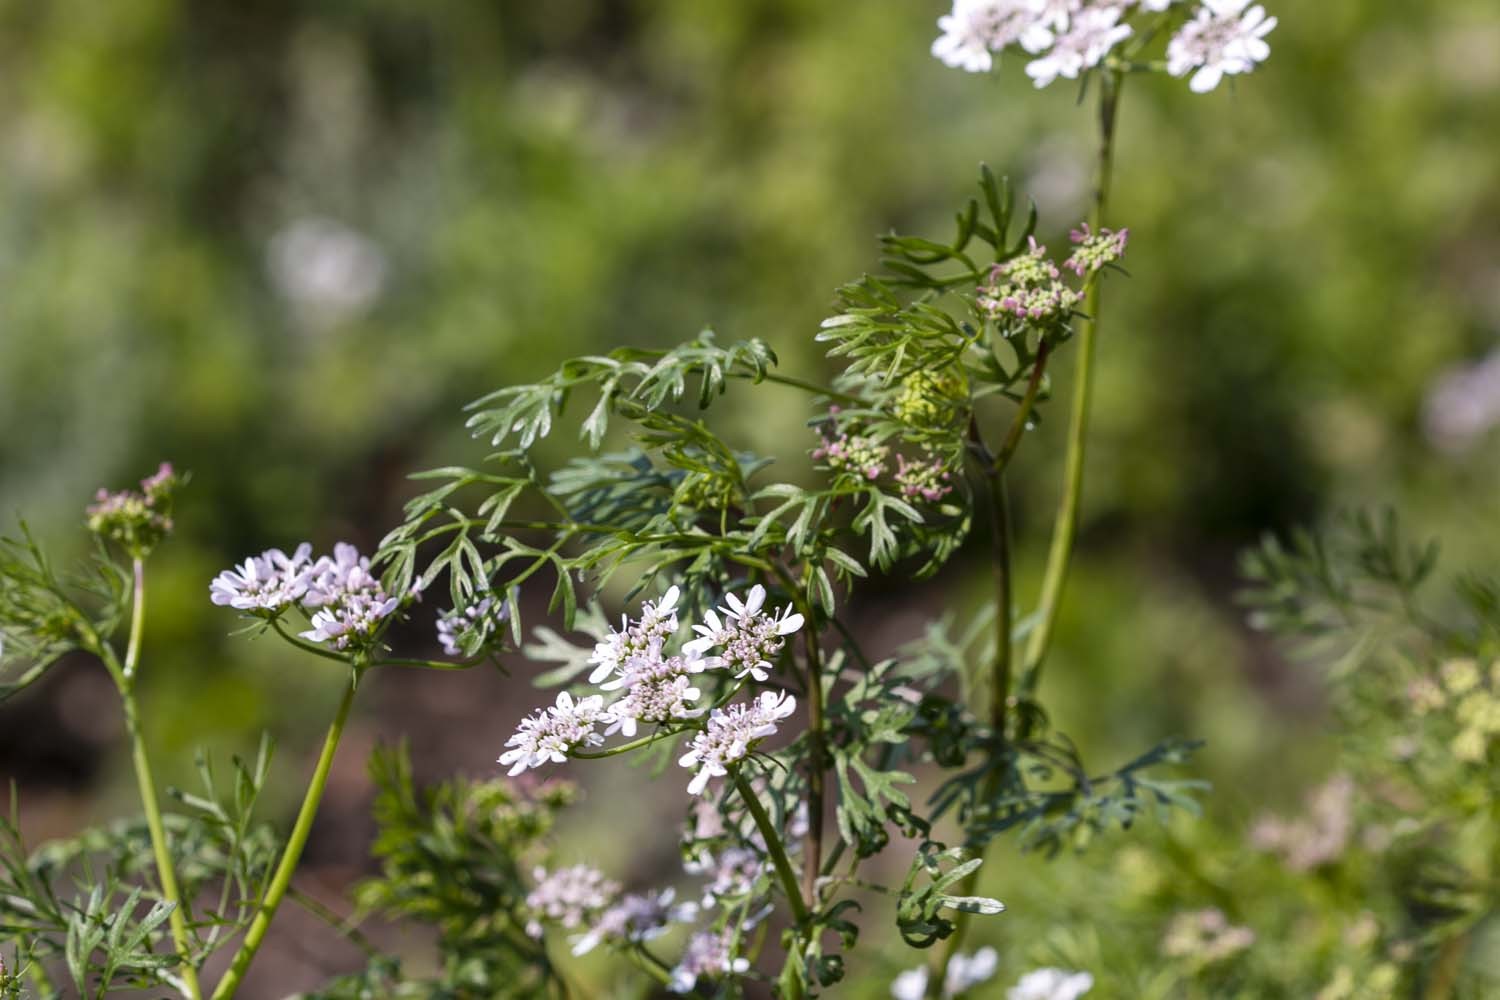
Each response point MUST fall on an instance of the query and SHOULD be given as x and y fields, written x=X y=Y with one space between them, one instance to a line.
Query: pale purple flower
x=732 y=732
x=353 y=621
x=553 y=732
x=270 y=582
x=1051 y=984
x=731 y=873
x=568 y=897
x=747 y=638
x=708 y=954
x=1223 y=38
x=474 y=624
x=637 y=917
x=1087 y=39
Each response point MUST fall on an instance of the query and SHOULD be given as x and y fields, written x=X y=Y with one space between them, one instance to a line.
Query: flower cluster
x=747 y=637
x=266 y=584
x=345 y=601
x=924 y=480
x=568 y=896
x=637 y=638
x=1203 y=937
x=1224 y=38
x=655 y=686
x=468 y=629
x=137 y=521
x=581 y=898
x=1065 y=38
x=1460 y=689
x=710 y=954
x=656 y=689
x=732 y=733
x=731 y=873
x=1320 y=837
x=860 y=456
x=928 y=398
x=550 y=734
x=1093 y=251
x=351 y=604
x=638 y=917
x=964 y=973
x=1029 y=287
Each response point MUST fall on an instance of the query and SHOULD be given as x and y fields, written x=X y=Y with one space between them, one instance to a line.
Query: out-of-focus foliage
x=1383 y=881
x=452 y=857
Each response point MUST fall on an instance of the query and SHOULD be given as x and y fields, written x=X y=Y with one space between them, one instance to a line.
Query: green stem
x=1023 y=413
x=282 y=879
x=124 y=676
x=814 y=388
x=1065 y=529
x=772 y=837
x=1000 y=681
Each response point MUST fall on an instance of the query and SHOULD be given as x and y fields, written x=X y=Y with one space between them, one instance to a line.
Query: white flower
x=568 y=896
x=551 y=733
x=1051 y=984
x=1156 y=5
x=911 y=984
x=747 y=638
x=1085 y=42
x=657 y=690
x=967 y=971
x=977 y=28
x=964 y=973
x=731 y=733
x=271 y=581
x=636 y=638
x=1223 y=38
x=635 y=918
x=707 y=954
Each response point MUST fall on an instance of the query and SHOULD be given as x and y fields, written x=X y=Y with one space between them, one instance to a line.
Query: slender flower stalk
x=1065 y=528
x=125 y=679
x=281 y=880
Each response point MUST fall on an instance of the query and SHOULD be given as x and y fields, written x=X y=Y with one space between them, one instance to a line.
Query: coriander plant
x=733 y=668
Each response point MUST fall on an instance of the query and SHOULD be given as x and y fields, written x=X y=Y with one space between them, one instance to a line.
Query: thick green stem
x=774 y=847
x=125 y=677
x=1065 y=529
x=281 y=880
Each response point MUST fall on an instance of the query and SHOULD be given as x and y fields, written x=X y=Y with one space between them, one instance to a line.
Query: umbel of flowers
x=648 y=684
x=1210 y=39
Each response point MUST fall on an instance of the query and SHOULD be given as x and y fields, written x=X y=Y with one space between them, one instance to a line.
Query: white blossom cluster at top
x=1064 y=38
x=650 y=685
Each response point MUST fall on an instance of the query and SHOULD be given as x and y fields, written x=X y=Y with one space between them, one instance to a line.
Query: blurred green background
x=282 y=244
